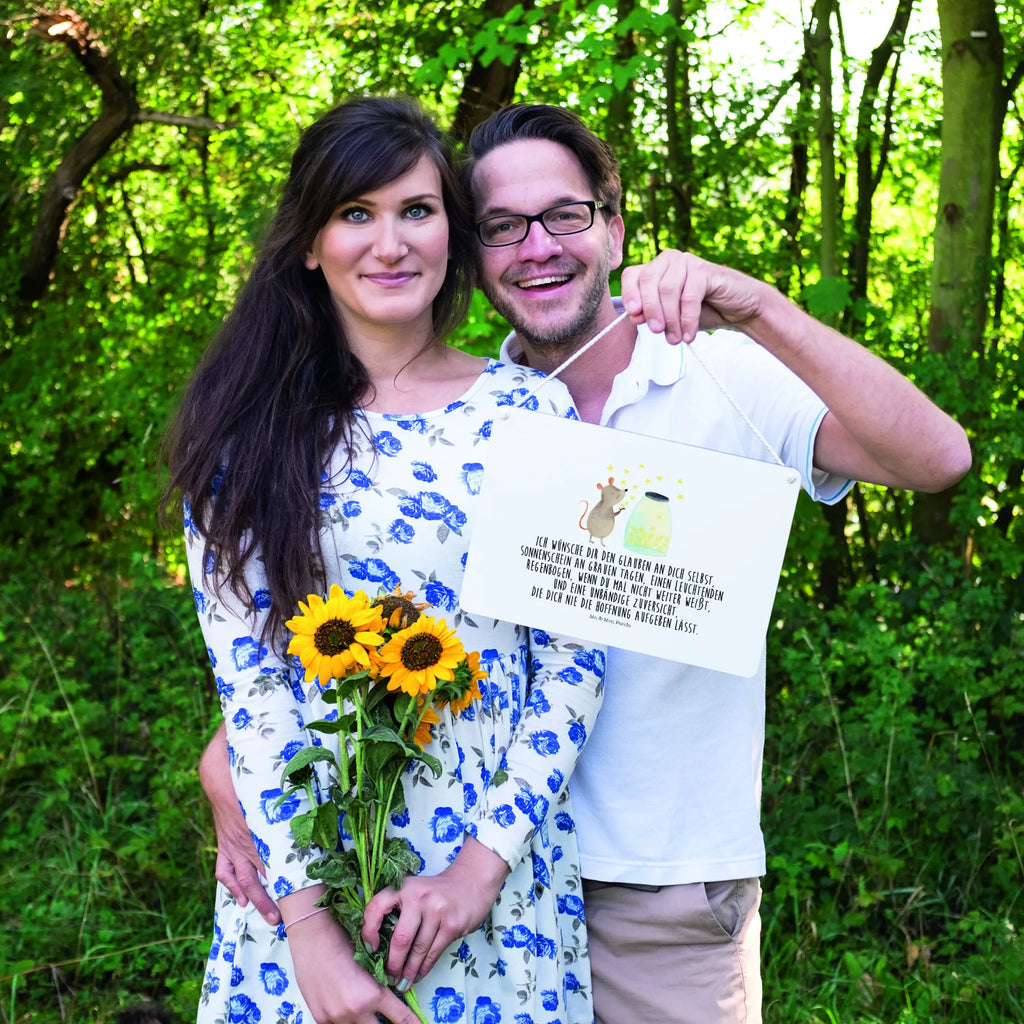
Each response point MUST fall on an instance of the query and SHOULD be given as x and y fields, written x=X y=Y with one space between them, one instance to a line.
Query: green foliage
x=103 y=835
x=892 y=767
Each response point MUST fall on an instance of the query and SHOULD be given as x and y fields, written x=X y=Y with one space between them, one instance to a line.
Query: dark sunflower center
x=334 y=636
x=421 y=651
x=391 y=603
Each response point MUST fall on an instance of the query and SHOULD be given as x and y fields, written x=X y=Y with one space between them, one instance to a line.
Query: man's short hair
x=521 y=121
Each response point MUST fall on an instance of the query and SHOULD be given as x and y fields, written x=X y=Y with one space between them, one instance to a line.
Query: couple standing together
x=331 y=436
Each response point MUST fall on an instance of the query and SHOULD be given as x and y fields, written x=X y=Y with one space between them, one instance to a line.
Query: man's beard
x=564 y=338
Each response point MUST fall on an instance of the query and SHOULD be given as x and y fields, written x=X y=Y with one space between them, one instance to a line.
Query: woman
x=330 y=436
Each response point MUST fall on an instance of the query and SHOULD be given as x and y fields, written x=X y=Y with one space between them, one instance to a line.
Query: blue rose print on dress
x=545 y=742
x=572 y=676
x=484 y=433
x=218 y=937
x=282 y=887
x=261 y=600
x=578 y=734
x=546 y=948
x=227 y=952
x=455 y=519
x=441 y=596
x=241 y=718
x=414 y=424
x=549 y=999
x=486 y=1011
x=473 y=476
x=570 y=904
x=351 y=509
x=540 y=637
x=327 y=500
x=541 y=875
x=274 y=811
x=519 y=937
x=289 y=750
x=564 y=822
x=424 y=472
x=401 y=531
x=446 y=825
x=590 y=660
x=358 y=479
x=374 y=570
x=237 y=977
x=533 y=805
x=387 y=444
x=274 y=979
x=538 y=702
x=448 y=1005
x=242 y=1010
x=199 y=598
x=247 y=652
x=555 y=780
x=504 y=815
x=261 y=847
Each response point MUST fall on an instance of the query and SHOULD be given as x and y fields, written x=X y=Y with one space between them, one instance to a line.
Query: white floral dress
x=403 y=515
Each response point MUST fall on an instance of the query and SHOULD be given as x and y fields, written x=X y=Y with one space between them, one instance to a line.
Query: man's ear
x=616 y=236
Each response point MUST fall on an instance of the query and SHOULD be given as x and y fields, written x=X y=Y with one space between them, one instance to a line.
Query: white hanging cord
x=746 y=419
x=692 y=351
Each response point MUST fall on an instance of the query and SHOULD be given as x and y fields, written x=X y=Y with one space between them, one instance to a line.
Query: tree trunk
x=869 y=172
x=679 y=132
x=973 y=107
x=486 y=89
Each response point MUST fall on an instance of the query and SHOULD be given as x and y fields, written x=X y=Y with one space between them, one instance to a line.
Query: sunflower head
x=334 y=637
x=464 y=688
x=414 y=659
x=399 y=610
x=424 y=734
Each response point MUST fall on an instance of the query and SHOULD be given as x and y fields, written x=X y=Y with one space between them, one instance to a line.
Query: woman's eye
x=419 y=211
x=354 y=215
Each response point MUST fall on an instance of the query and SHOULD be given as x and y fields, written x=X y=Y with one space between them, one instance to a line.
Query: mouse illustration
x=601 y=520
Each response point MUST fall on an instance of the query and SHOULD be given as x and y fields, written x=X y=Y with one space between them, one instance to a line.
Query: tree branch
x=119 y=112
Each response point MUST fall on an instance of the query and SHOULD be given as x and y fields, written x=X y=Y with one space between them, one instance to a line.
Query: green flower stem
x=359 y=833
x=414 y=1004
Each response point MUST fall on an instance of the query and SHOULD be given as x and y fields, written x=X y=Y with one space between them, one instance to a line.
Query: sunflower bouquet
x=390 y=669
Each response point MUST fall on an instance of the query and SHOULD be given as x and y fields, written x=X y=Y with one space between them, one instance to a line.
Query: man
x=671 y=848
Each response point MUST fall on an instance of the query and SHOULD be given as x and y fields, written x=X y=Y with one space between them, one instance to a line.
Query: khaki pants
x=675 y=954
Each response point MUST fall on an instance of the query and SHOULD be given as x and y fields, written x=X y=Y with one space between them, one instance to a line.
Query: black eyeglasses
x=563 y=219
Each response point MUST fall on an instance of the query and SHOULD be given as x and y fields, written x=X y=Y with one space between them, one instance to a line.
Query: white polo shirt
x=668 y=789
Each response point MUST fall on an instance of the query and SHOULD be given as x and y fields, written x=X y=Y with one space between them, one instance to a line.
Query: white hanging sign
x=629 y=541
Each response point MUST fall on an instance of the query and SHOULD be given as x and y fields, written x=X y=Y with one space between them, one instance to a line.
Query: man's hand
x=435 y=910
x=238 y=864
x=679 y=293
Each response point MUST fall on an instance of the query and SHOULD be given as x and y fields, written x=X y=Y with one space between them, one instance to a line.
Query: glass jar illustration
x=649 y=529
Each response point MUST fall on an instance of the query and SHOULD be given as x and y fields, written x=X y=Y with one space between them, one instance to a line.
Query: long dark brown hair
x=276 y=392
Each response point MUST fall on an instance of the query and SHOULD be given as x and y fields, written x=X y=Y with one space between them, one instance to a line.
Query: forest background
x=866 y=157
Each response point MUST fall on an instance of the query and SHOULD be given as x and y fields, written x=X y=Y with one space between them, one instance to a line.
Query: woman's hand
x=336 y=989
x=435 y=910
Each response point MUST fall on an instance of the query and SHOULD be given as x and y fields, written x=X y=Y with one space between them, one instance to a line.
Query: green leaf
x=827 y=298
x=302 y=826
x=325 y=827
x=298 y=769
